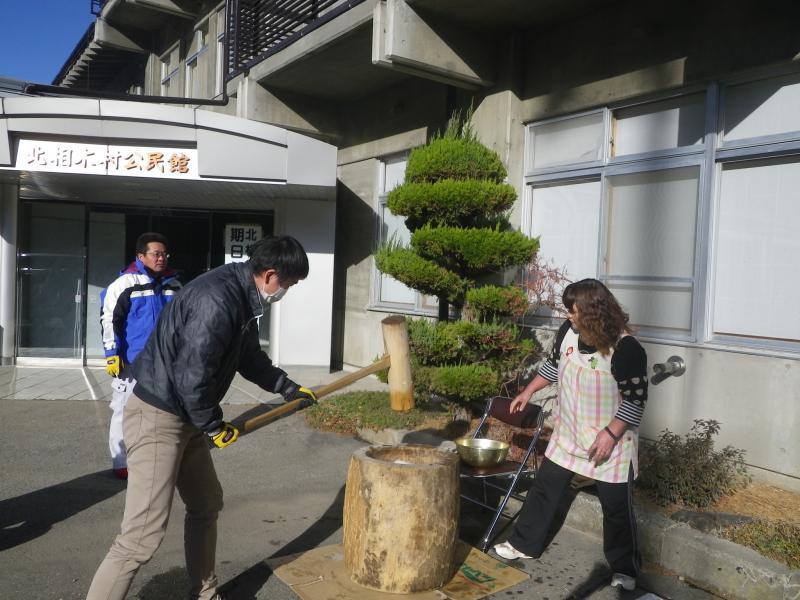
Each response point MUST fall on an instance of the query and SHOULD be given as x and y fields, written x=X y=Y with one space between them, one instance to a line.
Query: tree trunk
x=444 y=310
x=401 y=510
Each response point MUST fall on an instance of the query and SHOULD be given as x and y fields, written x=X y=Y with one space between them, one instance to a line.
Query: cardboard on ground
x=320 y=574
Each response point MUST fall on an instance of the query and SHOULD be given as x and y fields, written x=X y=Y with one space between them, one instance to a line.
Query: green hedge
x=473 y=251
x=455 y=342
x=421 y=274
x=454 y=158
x=493 y=301
x=460 y=383
x=451 y=202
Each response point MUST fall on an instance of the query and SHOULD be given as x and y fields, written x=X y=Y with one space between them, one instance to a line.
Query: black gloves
x=292 y=391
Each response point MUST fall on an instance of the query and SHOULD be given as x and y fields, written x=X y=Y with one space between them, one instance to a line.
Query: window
x=564 y=141
x=658 y=126
x=567 y=223
x=170 y=62
x=762 y=108
x=755 y=281
x=390 y=293
x=693 y=229
x=650 y=245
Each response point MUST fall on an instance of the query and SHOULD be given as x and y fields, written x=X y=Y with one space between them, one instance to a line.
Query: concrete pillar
x=9 y=201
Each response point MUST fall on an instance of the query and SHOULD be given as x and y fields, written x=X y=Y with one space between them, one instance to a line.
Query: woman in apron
x=601 y=371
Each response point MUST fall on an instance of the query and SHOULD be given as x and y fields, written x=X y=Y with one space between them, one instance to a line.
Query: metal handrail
x=257 y=29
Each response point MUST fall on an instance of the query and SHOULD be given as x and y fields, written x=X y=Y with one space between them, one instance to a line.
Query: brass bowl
x=481 y=452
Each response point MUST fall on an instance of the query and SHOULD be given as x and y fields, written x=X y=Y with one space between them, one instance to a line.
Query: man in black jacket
x=206 y=334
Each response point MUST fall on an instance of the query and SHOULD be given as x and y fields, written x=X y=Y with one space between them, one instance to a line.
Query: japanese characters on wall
x=238 y=239
x=107 y=159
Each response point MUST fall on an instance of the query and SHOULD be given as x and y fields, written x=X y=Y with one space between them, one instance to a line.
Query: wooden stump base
x=401 y=510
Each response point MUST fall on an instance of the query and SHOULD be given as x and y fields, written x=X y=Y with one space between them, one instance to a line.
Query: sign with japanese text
x=107 y=159
x=238 y=239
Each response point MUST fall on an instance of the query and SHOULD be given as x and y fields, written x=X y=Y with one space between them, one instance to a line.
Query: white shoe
x=627 y=582
x=507 y=551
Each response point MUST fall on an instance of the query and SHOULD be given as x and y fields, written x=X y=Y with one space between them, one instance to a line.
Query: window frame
x=418 y=308
x=710 y=157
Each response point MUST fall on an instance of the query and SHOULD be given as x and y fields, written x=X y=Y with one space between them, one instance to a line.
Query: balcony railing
x=257 y=29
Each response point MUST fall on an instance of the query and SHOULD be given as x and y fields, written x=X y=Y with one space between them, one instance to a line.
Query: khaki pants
x=164 y=452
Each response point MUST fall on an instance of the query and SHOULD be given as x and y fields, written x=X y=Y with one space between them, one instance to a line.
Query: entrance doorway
x=68 y=253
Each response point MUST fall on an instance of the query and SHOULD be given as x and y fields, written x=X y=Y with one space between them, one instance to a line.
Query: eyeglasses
x=158 y=254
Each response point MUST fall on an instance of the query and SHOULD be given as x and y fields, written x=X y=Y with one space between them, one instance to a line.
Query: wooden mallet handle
x=321 y=391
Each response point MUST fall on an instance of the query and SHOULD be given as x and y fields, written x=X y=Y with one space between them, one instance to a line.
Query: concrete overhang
x=331 y=62
x=118 y=38
x=505 y=15
x=148 y=15
x=374 y=45
x=245 y=162
x=432 y=48
x=103 y=53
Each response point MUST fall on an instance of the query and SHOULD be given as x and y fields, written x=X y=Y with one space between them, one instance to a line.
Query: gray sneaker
x=627 y=582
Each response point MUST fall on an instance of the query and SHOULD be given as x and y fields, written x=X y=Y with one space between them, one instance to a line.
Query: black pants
x=619 y=524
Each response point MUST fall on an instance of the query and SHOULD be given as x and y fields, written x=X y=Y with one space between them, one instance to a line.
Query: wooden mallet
x=397 y=359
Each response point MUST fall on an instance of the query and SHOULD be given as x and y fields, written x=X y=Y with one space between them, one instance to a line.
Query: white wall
x=755 y=398
x=301 y=323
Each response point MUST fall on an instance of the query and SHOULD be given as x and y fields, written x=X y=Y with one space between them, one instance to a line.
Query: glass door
x=51 y=280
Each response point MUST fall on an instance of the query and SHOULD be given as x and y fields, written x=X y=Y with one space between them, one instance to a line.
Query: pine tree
x=456 y=202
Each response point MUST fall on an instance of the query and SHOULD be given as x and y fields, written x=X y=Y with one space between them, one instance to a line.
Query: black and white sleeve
x=549 y=367
x=629 y=367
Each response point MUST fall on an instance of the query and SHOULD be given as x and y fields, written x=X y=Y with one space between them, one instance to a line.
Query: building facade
x=655 y=147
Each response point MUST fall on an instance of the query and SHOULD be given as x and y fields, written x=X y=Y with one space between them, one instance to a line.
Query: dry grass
x=775 y=533
x=777 y=540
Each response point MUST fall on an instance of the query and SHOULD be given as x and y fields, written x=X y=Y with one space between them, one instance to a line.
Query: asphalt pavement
x=60 y=508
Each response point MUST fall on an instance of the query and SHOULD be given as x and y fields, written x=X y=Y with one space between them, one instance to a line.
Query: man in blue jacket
x=204 y=336
x=129 y=310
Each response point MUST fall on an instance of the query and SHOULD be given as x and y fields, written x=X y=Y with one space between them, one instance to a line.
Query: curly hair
x=601 y=319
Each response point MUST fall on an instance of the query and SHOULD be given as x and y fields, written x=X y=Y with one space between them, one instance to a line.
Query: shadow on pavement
x=26 y=517
x=166 y=586
x=246 y=585
x=597 y=579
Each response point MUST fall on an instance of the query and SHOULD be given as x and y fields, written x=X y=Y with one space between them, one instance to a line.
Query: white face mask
x=270 y=298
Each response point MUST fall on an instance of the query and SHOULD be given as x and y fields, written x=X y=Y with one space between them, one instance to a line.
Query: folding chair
x=508 y=477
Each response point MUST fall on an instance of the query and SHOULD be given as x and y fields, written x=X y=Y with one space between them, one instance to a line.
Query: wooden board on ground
x=319 y=574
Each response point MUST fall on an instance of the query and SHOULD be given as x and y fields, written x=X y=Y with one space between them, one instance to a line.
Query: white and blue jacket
x=130 y=307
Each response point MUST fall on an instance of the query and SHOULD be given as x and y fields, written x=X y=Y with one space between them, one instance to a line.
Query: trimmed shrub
x=456 y=204
x=451 y=202
x=493 y=302
x=464 y=383
x=498 y=346
x=454 y=158
x=420 y=273
x=689 y=471
x=473 y=252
